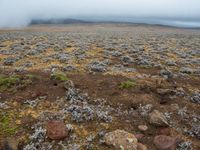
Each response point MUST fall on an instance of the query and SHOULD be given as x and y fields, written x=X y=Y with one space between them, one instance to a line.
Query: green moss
x=127 y=85
x=11 y=83
x=30 y=76
x=8 y=81
x=6 y=126
x=59 y=76
x=145 y=66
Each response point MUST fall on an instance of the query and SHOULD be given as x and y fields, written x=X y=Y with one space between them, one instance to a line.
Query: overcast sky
x=17 y=13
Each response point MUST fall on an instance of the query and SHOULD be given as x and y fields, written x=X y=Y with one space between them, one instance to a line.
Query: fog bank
x=19 y=13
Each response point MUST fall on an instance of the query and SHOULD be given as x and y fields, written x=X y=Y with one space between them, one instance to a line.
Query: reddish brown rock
x=56 y=130
x=164 y=131
x=163 y=142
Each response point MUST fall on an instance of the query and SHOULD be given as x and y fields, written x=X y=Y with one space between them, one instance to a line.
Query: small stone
x=157 y=118
x=56 y=130
x=142 y=127
x=165 y=91
x=121 y=139
x=9 y=144
x=163 y=142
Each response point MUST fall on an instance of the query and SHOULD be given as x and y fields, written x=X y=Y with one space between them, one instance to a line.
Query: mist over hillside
x=20 y=13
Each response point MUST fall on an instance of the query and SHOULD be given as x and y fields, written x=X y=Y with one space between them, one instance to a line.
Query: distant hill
x=56 y=21
x=76 y=21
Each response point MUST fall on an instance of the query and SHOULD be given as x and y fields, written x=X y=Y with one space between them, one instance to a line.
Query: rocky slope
x=100 y=87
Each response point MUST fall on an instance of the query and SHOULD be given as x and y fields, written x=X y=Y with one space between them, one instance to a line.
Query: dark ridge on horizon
x=79 y=21
x=56 y=21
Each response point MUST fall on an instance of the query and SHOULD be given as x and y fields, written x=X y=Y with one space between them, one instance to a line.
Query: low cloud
x=19 y=13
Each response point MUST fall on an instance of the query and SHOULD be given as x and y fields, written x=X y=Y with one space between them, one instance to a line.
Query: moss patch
x=127 y=85
x=59 y=76
x=7 y=82
x=10 y=83
x=6 y=126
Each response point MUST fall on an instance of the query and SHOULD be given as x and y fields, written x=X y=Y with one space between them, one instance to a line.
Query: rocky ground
x=131 y=87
